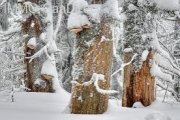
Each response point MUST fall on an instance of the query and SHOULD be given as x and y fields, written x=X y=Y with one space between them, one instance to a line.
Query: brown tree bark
x=138 y=86
x=29 y=78
x=94 y=59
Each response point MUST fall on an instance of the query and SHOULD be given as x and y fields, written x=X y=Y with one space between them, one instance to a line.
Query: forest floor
x=52 y=106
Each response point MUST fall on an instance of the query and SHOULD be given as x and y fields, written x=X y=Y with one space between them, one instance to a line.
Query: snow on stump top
x=32 y=43
x=77 y=21
x=48 y=70
x=83 y=15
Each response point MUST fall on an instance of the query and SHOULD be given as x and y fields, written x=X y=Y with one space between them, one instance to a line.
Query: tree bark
x=138 y=86
x=94 y=59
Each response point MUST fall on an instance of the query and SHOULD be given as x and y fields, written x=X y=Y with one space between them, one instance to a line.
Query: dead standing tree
x=93 y=57
x=31 y=28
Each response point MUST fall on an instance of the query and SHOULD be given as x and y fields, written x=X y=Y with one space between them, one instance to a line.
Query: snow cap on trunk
x=144 y=55
x=32 y=43
x=52 y=48
x=48 y=68
x=77 y=19
x=43 y=36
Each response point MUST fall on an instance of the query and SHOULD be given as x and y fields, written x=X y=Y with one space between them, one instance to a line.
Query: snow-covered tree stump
x=96 y=58
x=140 y=85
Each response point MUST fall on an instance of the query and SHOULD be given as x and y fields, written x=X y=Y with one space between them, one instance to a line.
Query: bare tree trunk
x=29 y=68
x=94 y=59
x=32 y=32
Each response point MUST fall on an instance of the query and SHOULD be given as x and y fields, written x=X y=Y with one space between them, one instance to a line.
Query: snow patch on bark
x=144 y=55
x=128 y=50
x=32 y=42
x=95 y=79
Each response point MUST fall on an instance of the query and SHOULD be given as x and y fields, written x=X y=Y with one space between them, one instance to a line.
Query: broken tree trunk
x=140 y=85
x=95 y=58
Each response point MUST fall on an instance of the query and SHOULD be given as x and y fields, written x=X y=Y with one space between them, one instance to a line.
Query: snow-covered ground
x=51 y=106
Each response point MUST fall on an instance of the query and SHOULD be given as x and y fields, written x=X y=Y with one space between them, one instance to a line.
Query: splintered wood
x=138 y=86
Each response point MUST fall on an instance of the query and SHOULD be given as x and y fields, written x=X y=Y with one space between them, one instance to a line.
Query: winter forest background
x=115 y=59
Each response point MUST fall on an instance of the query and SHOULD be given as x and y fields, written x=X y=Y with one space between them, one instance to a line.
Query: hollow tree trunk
x=138 y=81
x=138 y=86
x=89 y=60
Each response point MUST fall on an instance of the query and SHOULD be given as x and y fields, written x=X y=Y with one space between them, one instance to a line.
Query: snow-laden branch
x=172 y=56
x=15 y=69
x=165 y=64
x=98 y=77
x=13 y=53
x=124 y=65
x=5 y=39
x=39 y=53
x=95 y=79
x=155 y=44
x=10 y=31
x=168 y=89
x=3 y=2
x=156 y=72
